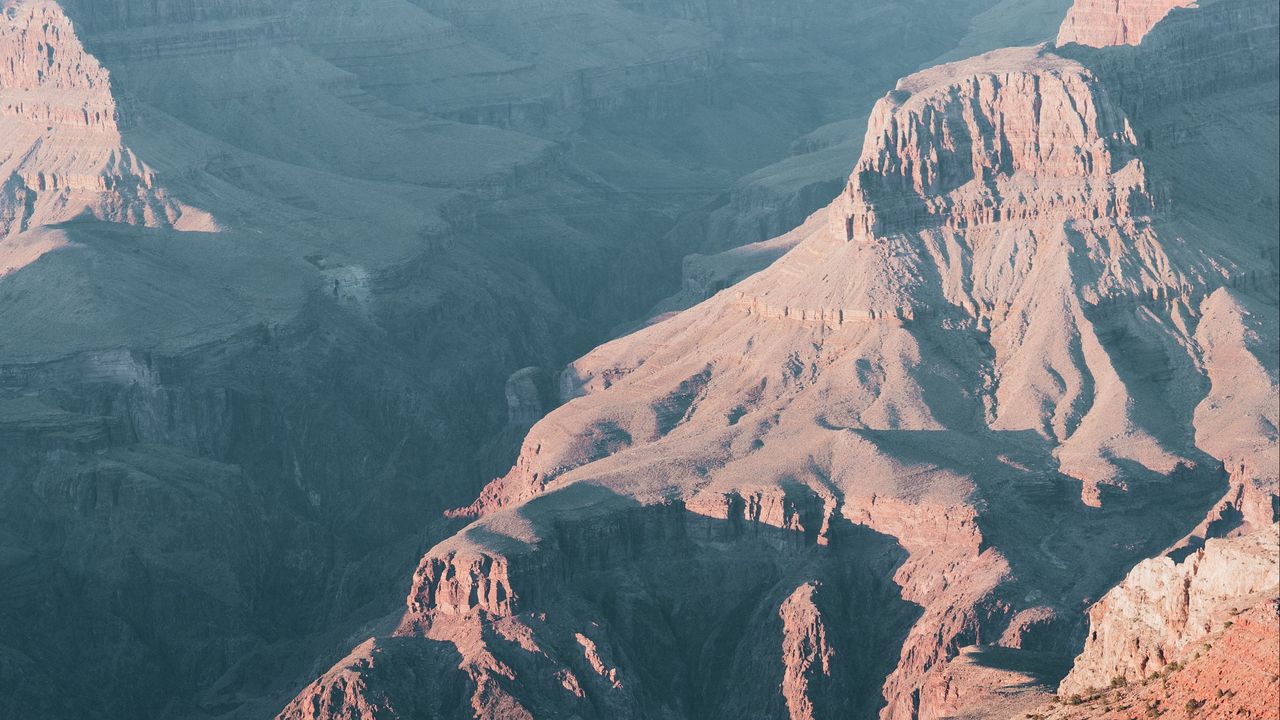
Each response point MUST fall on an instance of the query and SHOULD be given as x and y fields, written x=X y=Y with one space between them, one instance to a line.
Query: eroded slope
x=996 y=354
x=220 y=446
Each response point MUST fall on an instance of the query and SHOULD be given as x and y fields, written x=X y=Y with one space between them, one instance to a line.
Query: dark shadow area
x=694 y=616
x=411 y=678
x=1046 y=667
x=1062 y=554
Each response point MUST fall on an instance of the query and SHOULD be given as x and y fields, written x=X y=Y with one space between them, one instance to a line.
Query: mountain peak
x=65 y=154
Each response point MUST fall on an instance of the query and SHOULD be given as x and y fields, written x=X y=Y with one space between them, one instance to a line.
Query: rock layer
x=1101 y=23
x=1162 y=608
x=64 y=154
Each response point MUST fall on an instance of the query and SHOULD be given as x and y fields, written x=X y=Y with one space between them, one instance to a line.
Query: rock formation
x=993 y=357
x=807 y=657
x=266 y=269
x=1229 y=673
x=277 y=279
x=64 y=154
x=1102 y=23
x=1162 y=608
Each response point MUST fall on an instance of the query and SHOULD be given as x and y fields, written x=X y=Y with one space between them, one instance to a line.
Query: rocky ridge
x=221 y=445
x=64 y=152
x=1162 y=608
x=974 y=355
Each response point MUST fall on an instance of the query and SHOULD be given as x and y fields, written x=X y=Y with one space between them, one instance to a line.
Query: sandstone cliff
x=64 y=154
x=1103 y=22
x=1162 y=608
x=1227 y=674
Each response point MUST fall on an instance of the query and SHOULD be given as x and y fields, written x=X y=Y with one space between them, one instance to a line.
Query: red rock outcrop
x=47 y=76
x=1162 y=608
x=1114 y=22
x=1229 y=673
x=975 y=351
x=367 y=684
x=64 y=153
x=806 y=654
x=1011 y=136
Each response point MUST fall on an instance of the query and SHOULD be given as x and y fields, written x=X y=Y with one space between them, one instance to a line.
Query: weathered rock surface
x=64 y=155
x=990 y=357
x=1114 y=22
x=223 y=449
x=809 y=677
x=1229 y=673
x=1163 y=608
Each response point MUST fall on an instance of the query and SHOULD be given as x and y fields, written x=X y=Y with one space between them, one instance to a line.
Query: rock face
x=1101 y=23
x=1230 y=673
x=1020 y=136
x=51 y=79
x=808 y=657
x=1163 y=608
x=972 y=393
x=64 y=154
x=266 y=269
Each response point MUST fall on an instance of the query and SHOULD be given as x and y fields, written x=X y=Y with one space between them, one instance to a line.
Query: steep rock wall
x=64 y=154
x=1101 y=23
x=1162 y=608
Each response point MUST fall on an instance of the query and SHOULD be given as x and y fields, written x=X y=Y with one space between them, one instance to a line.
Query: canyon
x=638 y=359
x=952 y=402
